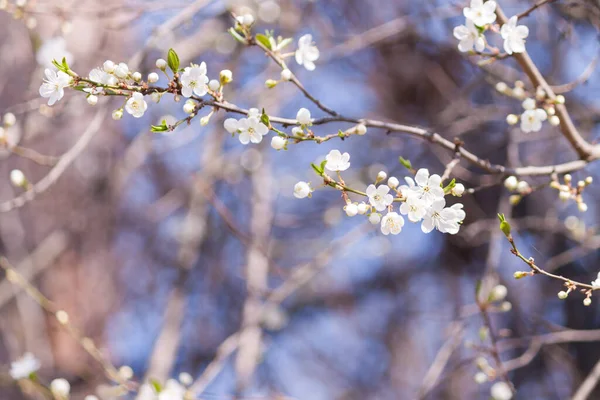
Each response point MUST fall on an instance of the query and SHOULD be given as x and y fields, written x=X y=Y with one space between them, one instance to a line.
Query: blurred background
x=172 y=250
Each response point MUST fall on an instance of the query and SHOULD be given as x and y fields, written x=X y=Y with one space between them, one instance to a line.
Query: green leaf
x=264 y=40
x=61 y=66
x=450 y=186
x=156 y=385
x=236 y=36
x=264 y=118
x=504 y=225
x=318 y=169
x=163 y=127
x=173 y=61
x=405 y=163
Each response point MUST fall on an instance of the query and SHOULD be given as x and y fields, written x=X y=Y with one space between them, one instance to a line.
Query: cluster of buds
x=569 y=191
x=571 y=286
x=514 y=185
x=538 y=107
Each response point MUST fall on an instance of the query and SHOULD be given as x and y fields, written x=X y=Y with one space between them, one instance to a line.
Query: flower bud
x=351 y=209
x=92 y=100
x=499 y=292
x=480 y=377
x=270 y=83
x=529 y=104
x=155 y=96
x=381 y=176
x=17 y=178
x=161 y=64
x=302 y=190
x=361 y=129
x=286 y=74
x=568 y=178
x=225 y=76
x=551 y=110
x=152 y=77
x=589 y=180
x=136 y=76
x=60 y=388
x=564 y=195
x=501 y=87
x=9 y=120
x=363 y=208
x=512 y=119
x=540 y=94
x=587 y=301
x=303 y=116
x=393 y=182
x=582 y=206
x=117 y=114
x=122 y=70
x=514 y=199
x=511 y=183
x=214 y=85
x=458 y=189
x=189 y=108
x=554 y=120
x=520 y=274
x=375 y=218
x=205 y=120
x=523 y=187
x=125 y=372
x=278 y=142
x=562 y=295
x=108 y=66
x=560 y=99
x=518 y=92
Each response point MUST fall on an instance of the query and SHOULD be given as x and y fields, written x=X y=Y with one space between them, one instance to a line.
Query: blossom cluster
x=422 y=199
x=479 y=17
x=26 y=367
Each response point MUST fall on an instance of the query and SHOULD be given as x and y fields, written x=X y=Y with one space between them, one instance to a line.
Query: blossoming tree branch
x=428 y=198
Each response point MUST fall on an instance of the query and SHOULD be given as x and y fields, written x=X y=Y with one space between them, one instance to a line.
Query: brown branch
x=585 y=150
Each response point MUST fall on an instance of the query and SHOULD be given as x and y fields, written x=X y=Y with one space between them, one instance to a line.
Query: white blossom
x=173 y=390
x=53 y=49
x=54 y=85
x=443 y=219
x=414 y=208
x=469 y=37
x=136 y=105
x=254 y=112
x=481 y=13
x=337 y=161
x=393 y=182
x=251 y=130
x=103 y=77
x=427 y=187
x=379 y=197
x=307 y=52
x=24 y=366
x=392 y=223
x=9 y=119
x=531 y=120
x=302 y=190
x=596 y=283
x=514 y=36
x=194 y=80
x=303 y=116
